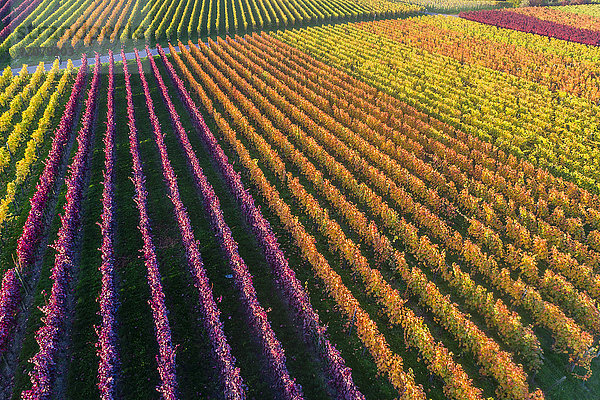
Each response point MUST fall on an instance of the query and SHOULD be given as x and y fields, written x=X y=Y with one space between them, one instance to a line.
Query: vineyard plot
x=520 y=119
x=440 y=218
x=392 y=209
x=51 y=27
x=573 y=27
x=135 y=348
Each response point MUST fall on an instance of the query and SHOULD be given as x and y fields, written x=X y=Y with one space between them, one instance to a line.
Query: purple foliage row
x=5 y=7
x=231 y=379
x=166 y=349
x=55 y=311
x=272 y=348
x=14 y=20
x=9 y=16
x=107 y=333
x=339 y=374
x=28 y=243
x=529 y=24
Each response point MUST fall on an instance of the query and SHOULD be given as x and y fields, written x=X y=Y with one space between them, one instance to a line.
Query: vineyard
x=50 y=27
x=299 y=199
x=586 y=9
x=556 y=23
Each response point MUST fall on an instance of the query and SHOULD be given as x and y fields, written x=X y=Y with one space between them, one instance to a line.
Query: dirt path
x=91 y=60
